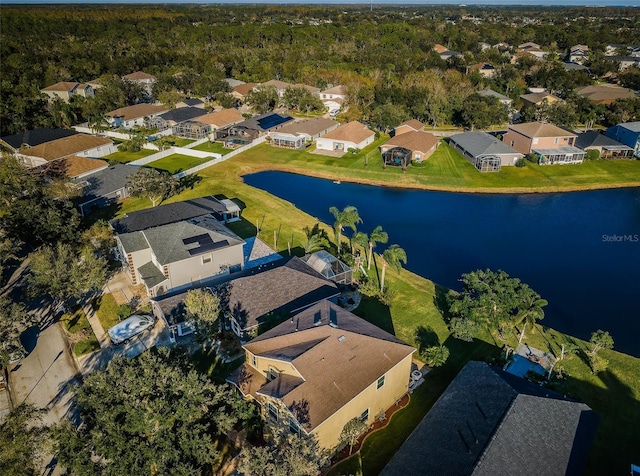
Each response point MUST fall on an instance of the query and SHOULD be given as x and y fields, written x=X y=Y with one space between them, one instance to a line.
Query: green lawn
x=614 y=394
x=125 y=157
x=80 y=332
x=177 y=163
x=214 y=147
x=180 y=141
x=106 y=309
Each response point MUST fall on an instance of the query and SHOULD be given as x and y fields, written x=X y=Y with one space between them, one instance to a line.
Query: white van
x=130 y=327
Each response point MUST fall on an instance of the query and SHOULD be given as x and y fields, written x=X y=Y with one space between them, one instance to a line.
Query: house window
x=380 y=382
x=535 y=141
x=272 y=374
x=512 y=142
x=272 y=410
x=556 y=140
x=206 y=259
x=365 y=415
x=254 y=360
x=293 y=426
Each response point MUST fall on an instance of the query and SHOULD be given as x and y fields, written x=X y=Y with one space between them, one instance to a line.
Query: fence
x=170 y=151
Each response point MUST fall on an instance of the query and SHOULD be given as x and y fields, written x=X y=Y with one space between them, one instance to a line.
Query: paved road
x=45 y=377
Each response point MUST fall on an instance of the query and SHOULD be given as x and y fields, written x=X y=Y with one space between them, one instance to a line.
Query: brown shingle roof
x=535 y=98
x=337 y=358
x=438 y=48
x=414 y=140
x=285 y=288
x=336 y=90
x=310 y=126
x=278 y=84
x=138 y=110
x=66 y=146
x=353 y=131
x=75 y=165
x=221 y=118
x=414 y=124
x=244 y=89
x=605 y=92
x=540 y=129
x=138 y=76
x=61 y=86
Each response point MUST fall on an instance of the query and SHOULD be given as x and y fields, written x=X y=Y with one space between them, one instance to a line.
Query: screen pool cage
x=330 y=267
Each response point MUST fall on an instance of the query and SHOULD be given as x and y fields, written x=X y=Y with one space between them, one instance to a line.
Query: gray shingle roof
x=132 y=242
x=165 y=214
x=489 y=422
x=36 y=137
x=594 y=139
x=481 y=143
x=182 y=114
x=167 y=241
x=151 y=275
x=106 y=181
x=492 y=93
x=632 y=126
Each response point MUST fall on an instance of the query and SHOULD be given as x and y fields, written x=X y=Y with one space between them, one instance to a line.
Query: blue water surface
x=580 y=250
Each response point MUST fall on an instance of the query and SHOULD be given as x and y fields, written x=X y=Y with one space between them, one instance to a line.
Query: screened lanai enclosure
x=191 y=130
x=398 y=156
x=330 y=267
x=487 y=163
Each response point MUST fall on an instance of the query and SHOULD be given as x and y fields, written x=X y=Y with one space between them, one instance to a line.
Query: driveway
x=45 y=378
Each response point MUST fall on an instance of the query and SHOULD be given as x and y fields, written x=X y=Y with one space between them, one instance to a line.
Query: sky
x=632 y=3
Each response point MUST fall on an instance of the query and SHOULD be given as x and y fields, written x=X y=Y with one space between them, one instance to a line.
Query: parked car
x=130 y=327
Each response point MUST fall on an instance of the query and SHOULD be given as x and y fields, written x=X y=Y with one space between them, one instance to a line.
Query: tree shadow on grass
x=189 y=181
x=441 y=302
x=372 y=310
x=425 y=337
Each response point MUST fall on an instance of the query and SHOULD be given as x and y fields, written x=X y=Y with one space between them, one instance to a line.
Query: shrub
x=592 y=154
x=521 y=163
x=598 y=364
x=124 y=311
x=531 y=157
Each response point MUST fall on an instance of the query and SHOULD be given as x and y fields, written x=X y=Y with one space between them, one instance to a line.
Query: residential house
x=102 y=187
x=507 y=101
x=234 y=82
x=401 y=149
x=484 y=46
x=240 y=91
x=281 y=86
x=484 y=151
x=576 y=67
x=606 y=146
x=246 y=131
x=552 y=144
x=172 y=255
x=532 y=49
x=73 y=167
x=322 y=368
x=624 y=62
x=191 y=102
x=145 y=80
x=333 y=98
x=627 y=133
x=298 y=133
x=578 y=54
x=537 y=99
x=444 y=52
x=353 y=135
x=132 y=116
x=411 y=125
x=485 y=70
x=605 y=93
x=83 y=145
x=174 y=117
x=65 y=90
x=32 y=138
x=489 y=422
x=206 y=125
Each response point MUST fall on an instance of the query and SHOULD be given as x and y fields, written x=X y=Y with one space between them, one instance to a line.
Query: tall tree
x=62 y=272
x=203 y=307
x=263 y=99
x=600 y=340
x=352 y=430
x=154 y=184
x=13 y=320
x=150 y=415
x=376 y=236
x=347 y=217
x=393 y=256
x=23 y=442
x=529 y=310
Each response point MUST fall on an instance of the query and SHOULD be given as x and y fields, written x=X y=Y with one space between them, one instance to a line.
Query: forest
x=383 y=56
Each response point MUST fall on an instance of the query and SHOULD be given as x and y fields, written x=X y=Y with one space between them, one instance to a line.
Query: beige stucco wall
x=192 y=269
x=395 y=387
x=263 y=364
x=524 y=144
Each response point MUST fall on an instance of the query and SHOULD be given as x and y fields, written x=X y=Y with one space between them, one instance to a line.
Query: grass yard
x=80 y=332
x=180 y=141
x=177 y=163
x=106 y=309
x=614 y=394
x=126 y=157
x=214 y=147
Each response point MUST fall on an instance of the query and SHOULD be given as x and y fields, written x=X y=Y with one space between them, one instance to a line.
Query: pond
x=580 y=250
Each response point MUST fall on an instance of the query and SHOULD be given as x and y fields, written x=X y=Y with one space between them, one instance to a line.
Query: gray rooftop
x=183 y=114
x=168 y=245
x=36 y=137
x=565 y=149
x=571 y=66
x=632 y=126
x=489 y=422
x=492 y=93
x=106 y=181
x=151 y=275
x=480 y=144
x=170 y=213
x=595 y=139
x=132 y=242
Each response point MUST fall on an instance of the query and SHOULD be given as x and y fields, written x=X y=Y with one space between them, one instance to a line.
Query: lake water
x=580 y=251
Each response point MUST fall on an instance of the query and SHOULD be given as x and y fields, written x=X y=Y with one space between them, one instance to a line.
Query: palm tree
x=392 y=256
x=315 y=243
x=376 y=236
x=362 y=239
x=530 y=312
x=348 y=217
x=436 y=355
